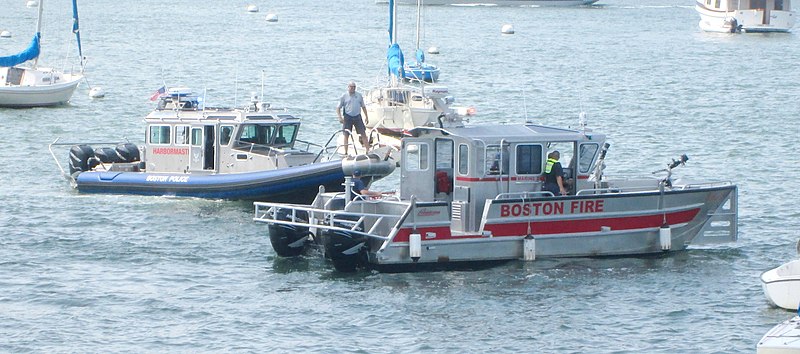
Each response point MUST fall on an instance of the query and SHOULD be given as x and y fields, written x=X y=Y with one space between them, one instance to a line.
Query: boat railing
x=333 y=220
x=57 y=143
x=523 y=195
x=331 y=150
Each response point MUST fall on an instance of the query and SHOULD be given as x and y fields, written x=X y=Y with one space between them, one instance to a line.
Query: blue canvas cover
x=394 y=57
x=32 y=52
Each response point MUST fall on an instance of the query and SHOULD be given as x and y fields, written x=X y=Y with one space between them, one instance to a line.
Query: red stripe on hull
x=559 y=226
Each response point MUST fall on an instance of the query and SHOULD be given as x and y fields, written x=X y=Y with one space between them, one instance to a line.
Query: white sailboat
x=745 y=15
x=33 y=85
x=397 y=106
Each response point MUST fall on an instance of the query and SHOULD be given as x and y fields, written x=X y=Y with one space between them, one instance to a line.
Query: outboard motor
x=79 y=159
x=346 y=249
x=288 y=240
x=107 y=155
x=128 y=152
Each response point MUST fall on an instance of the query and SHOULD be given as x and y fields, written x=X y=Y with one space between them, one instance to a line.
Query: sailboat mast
x=38 y=30
x=419 y=19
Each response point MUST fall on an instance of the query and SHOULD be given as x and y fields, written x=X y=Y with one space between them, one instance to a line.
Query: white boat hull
x=782 y=285
x=497 y=2
x=783 y=338
x=746 y=20
x=32 y=92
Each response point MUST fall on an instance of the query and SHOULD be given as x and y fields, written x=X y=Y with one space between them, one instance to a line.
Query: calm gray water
x=97 y=273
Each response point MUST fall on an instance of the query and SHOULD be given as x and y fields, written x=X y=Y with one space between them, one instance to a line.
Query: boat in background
x=499 y=2
x=249 y=153
x=784 y=338
x=396 y=106
x=420 y=70
x=782 y=284
x=35 y=86
x=750 y=16
x=474 y=197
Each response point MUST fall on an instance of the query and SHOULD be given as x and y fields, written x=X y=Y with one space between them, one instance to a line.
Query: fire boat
x=473 y=196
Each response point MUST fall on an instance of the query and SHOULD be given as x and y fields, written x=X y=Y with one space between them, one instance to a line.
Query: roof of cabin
x=515 y=132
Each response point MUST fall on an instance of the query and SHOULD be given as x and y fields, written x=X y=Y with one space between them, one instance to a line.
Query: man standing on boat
x=553 y=175
x=352 y=103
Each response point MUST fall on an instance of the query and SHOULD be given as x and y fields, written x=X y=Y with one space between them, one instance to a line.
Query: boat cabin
x=465 y=166
x=184 y=136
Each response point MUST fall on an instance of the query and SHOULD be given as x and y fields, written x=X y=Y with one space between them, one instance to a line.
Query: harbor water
x=102 y=273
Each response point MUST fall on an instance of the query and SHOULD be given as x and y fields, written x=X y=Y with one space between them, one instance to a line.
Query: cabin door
x=417 y=170
x=202 y=149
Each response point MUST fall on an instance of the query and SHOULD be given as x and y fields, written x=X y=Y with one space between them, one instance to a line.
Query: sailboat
x=398 y=106
x=420 y=70
x=32 y=85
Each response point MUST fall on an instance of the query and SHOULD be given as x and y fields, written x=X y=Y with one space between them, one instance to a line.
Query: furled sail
x=394 y=54
x=394 y=57
x=30 y=53
x=76 y=28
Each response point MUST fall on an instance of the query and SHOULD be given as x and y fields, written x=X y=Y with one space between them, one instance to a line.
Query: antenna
x=525 y=104
x=236 y=88
x=262 y=85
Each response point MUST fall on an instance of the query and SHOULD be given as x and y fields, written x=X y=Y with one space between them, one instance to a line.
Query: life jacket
x=443 y=184
x=549 y=166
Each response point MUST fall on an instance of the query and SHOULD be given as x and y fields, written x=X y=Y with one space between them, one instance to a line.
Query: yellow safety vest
x=549 y=166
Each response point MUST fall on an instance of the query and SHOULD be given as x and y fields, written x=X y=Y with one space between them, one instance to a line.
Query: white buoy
x=507 y=29
x=272 y=18
x=32 y=3
x=97 y=92
x=252 y=8
x=433 y=50
x=5 y=34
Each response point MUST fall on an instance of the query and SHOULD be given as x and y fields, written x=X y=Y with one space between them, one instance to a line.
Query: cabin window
x=444 y=154
x=496 y=160
x=716 y=3
x=225 y=133
x=197 y=137
x=708 y=2
x=285 y=134
x=159 y=134
x=778 y=4
x=586 y=155
x=529 y=159
x=256 y=134
x=416 y=157
x=463 y=159
x=181 y=135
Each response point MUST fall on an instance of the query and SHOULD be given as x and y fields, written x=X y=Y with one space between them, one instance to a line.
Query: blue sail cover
x=32 y=52
x=394 y=57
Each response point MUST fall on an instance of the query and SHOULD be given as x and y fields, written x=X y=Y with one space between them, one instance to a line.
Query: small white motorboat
x=782 y=284
x=783 y=338
x=756 y=16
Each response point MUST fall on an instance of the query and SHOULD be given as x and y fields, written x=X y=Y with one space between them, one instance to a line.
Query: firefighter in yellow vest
x=553 y=175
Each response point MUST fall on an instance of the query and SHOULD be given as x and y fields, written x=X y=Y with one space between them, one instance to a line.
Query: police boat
x=248 y=153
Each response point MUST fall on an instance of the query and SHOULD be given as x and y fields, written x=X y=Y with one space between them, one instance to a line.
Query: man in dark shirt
x=553 y=175
x=360 y=188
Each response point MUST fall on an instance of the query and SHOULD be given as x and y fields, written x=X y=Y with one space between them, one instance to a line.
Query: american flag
x=161 y=90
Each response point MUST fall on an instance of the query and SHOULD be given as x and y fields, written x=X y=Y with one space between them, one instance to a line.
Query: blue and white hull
x=293 y=184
